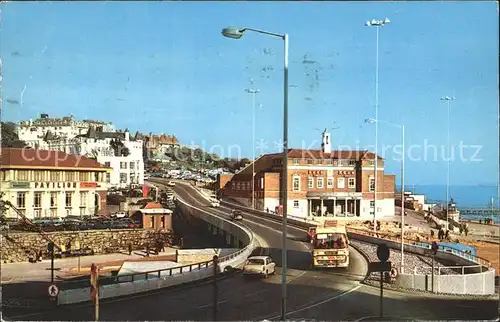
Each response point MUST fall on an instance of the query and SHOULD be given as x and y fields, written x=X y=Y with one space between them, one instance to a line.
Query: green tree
x=9 y=136
x=119 y=148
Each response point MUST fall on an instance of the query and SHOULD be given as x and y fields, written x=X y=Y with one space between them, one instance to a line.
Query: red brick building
x=319 y=181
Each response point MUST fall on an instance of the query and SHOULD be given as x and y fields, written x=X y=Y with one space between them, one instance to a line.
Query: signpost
x=216 y=291
x=50 y=247
x=94 y=288
x=434 y=249
x=382 y=266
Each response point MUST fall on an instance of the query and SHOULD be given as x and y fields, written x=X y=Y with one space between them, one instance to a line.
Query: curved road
x=312 y=294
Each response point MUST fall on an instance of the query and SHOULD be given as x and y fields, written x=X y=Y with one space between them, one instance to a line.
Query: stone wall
x=16 y=247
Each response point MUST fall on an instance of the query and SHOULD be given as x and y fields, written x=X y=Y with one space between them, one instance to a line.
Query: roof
x=36 y=158
x=156 y=211
x=258 y=257
x=151 y=205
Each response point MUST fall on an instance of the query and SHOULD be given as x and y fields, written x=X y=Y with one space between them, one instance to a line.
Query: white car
x=259 y=265
x=171 y=184
x=215 y=203
x=121 y=214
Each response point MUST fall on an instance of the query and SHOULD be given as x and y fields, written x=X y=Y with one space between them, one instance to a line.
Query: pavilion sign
x=54 y=185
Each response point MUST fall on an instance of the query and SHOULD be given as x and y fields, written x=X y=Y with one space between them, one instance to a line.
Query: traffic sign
x=379 y=266
x=383 y=252
x=53 y=290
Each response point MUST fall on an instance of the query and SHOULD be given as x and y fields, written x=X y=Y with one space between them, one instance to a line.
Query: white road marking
x=211 y=304
x=319 y=303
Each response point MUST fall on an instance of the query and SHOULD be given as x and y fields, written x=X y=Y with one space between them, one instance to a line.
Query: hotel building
x=42 y=183
x=339 y=183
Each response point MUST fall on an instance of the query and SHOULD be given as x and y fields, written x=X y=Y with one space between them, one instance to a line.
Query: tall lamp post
x=377 y=24
x=448 y=100
x=253 y=92
x=402 y=127
x=237 y=33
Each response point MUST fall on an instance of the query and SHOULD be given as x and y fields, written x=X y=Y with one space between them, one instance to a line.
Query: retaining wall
x=149 y=281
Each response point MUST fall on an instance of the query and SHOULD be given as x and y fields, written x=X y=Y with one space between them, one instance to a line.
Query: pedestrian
x=447 y=234
x=147 y=250
x=130 y=248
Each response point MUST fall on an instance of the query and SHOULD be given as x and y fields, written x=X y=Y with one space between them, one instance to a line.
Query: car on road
x=259 y=265
x=214 y=203
x=236 y=215
x=171 y=184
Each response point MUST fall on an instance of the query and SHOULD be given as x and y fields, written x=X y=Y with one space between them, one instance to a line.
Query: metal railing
x=159 y=273
x=382 y=235
x=423 y=244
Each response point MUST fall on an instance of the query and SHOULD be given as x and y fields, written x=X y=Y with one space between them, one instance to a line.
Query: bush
x=114 y=199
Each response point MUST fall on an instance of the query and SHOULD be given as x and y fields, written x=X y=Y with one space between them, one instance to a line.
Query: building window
x=53 y=212
x=82 y=211
x=320 y=183
x=296 y=161
x=352 y=162
x=295 y=204
x=329 y=182
x=351 y=183
x=107 y=164
x=328 y=161
x=83 y=198
x=55 y=176
x=23 y=175
x=37 y=201
x=372 y=184
x=123 y=178
x=132 y=165
x=310 y=182
x=39 y=176
x=70 y=176
x=372 y=203
x=123 y=165
x=21 y=200
x=69 y=196
x=53 y=199
x=296 y=183
x=261 y=183
x=310 y=161
x=341 y=183
x=108 y=177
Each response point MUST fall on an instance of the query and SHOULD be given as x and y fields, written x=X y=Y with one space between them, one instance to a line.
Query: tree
x=9 y=136
x=119 y=148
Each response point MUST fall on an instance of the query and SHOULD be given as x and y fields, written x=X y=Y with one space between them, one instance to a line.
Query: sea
x=478 y=196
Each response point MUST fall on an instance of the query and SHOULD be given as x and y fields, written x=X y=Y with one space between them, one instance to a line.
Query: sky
x=165 y=67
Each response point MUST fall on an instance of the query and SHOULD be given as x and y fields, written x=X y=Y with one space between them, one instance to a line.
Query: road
x=312 y=294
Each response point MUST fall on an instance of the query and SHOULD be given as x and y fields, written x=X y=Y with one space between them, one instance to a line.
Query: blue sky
x=164 y=67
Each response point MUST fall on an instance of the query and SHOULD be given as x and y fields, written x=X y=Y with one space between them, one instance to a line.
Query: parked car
x=259 y=265
x=171 y=184
x=236 y=215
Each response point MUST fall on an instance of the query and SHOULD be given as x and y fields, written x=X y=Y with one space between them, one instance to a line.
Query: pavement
x=311 y=294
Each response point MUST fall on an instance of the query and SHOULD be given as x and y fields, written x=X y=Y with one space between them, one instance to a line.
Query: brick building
x=319 y=181
x=44 y=183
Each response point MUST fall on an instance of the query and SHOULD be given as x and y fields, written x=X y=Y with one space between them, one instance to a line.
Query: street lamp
x=402 y=127
x=377 y=24
x=237 y=33
x=448 y=100
x=253 y=92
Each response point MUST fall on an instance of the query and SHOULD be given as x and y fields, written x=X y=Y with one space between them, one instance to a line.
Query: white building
x=93 y=141
x=127 y=169
x=35 y=133
x=41 y=183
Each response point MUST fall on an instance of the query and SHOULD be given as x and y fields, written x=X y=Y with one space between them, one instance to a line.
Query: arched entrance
x=97 y=203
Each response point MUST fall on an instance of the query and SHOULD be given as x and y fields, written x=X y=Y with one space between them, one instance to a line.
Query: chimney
x=127 y=135
x=326 y=144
